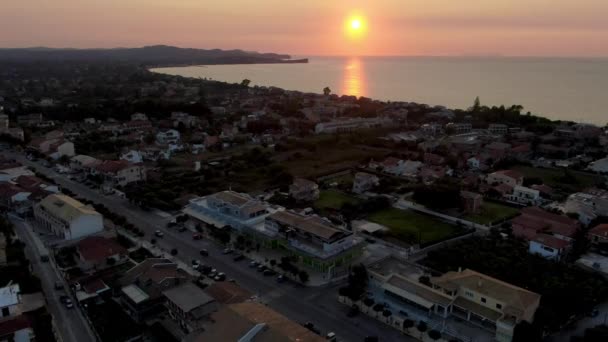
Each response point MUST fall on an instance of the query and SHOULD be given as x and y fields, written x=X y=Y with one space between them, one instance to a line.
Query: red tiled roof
x=504 y=188
x=600 y=230
x=534 y=220
x=8 y=190
x=13 y=325
x=96 y=248
x=227 y=293
x=138 y=123
x=551 y=241
x=510 y=173
x=29 y=182
x=112 y=166
x=390 y=161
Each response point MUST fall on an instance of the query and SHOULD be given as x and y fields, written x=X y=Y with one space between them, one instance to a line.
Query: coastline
x=196 y=64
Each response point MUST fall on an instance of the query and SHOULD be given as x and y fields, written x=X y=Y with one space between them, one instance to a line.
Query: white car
x=158 y=233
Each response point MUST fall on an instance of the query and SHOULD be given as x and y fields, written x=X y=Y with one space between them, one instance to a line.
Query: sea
x=574 y=89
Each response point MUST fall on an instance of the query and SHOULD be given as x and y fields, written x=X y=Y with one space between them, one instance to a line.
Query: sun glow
x=355 y=26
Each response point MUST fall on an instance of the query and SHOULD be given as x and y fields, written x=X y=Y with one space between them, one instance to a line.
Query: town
x=146 y=207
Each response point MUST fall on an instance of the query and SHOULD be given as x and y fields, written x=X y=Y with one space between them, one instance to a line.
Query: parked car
x=159 y=234
x=204 y=252
x=261 y=268
x=310 y=326
x=253 y=264
x=227 y=251
x=197 y=236
x=281 y=279
x=331 y=336
x=238 y=257
x=66 y=301
x=58 y=285
x=220 y=276
x=269 y=272
x=182 y=229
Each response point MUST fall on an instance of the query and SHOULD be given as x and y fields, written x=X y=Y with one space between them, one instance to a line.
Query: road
x=301 y=304
x=70 y=323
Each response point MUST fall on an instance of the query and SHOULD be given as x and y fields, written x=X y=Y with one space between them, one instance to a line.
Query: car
x=261 y=268
x=204 y=252
x=310 y=326
x=212 y=274
x=159 y=234
x=238 y=257
x=221 y=276
x=69 y=305
x=253 y=264
x=205 y=269
x=58 y=285
x=197 y=236
x=331 y=336
x=269 y=272
x=64 y=299
x=227 y=251
x=181 y=229
x=281 y=279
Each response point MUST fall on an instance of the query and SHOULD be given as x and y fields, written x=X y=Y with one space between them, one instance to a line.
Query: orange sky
x=315 y=27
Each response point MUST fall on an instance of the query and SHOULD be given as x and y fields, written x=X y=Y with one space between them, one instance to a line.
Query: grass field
x=332 y=199
x=491 y=212
x=410 y=226
x=554 y=178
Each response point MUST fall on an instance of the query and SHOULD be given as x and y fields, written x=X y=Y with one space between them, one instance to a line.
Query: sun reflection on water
x=353 y=80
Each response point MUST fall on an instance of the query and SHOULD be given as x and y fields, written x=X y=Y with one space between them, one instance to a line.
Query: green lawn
x=491 y=212
x=333 y=199
x=555 y=178
x=409 y=226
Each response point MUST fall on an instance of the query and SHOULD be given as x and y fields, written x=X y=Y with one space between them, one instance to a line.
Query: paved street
x=71 y=324
x=318 y=305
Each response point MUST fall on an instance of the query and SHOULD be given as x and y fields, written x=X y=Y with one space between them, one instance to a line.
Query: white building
x=67 y=217
x=83 y=162
x=548 y=246
x=525 y=196
x=498 y=129
x=588 y=204
x=600 y=165
x=139 y=117
x=120 y=172
x=349 y=125
x=132 y=156
x=509 y=177
x=10 y=300
x=304 y=190
x=168 y=136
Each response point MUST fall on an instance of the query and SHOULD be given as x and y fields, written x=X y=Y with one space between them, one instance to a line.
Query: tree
x=303 y=275
x=153 y=241
x=408 y=324
x=434 y=335
x=421 y=326
x=245 y=82
x=174 y=251
x=476 y=105
x=326 y=91
x=357 y=281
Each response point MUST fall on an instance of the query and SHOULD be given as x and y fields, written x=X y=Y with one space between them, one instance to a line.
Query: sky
x=316 y=27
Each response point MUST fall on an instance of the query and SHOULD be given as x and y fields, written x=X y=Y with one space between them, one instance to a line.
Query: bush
x=434 y=335
x=407 y=324
x=174 y=251
x=422 y=326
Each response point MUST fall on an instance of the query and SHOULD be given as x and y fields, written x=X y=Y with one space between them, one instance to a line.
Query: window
x=483 y=300
x=498 y=306
x=469 y=294
x=5 y=312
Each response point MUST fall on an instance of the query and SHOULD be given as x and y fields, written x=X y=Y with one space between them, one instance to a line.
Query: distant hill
x=158 y=55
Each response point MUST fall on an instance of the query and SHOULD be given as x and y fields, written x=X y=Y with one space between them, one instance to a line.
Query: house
x=524 y=196
x=228 y=208
x=10 y=301
x=588 y=204
x=364 y=182
x=599 y=166
x=54 y=147
x=433 y=159
x=474 y=163
x=137 y=125
x=67 y=217
x=139 y=117
x=36 y=186
x=549 y=246
x=392 y=165
x=459 y=128
x=534 y=220
x=471 y=202
x=120 y=172
x=351 y=124
x=598 y=234
x=17 y=329
x=317 y=239
x=30 y=119
x=304 y=190
x=142 y=287
x=252 y=321
x=465 y=295
x=498 y=129
x=96 y=253
x=411 y=168
x=510 y=177
x=132 y=156
x=14 y=198
x=497 y=150
x=189 y=306
x=10 y=170
x=167 y=136
x=83 y=162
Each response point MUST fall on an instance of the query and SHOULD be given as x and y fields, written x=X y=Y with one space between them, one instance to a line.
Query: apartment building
x=67 y=217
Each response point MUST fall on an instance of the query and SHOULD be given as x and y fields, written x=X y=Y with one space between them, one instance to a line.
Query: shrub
x=434 y=335
x=422 y=326
x=174 y=251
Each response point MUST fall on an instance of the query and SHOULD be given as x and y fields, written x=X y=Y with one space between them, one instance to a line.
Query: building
x=167 y=136
x=142 y=287
x=17 y=329
x=137 y=125
x=459 y=128
x=364 y=182
x=304 y=190
x=15 y=198
x=598 y=234
x=15 y=132
x=588 y=204
x=54 y=147
x=139 y=117
x=599 y=166
x=189 y=306
x=30 y=119
x=83 y=162
x=524 y=196
x=498 y=129
x=132 y=156
x=463 y=295
x=509 y=177
x=10 y=301
x=67 y=217
x=471 y=202
x=352 y=124
x=96 y=253
x=252 y=321
x=549 y=246
x=120 y=172
x=228 y=208
x=534 y=221
x=317 y=240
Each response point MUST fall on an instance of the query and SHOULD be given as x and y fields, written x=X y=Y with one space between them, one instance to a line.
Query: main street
x=70 y=323
x=301 y=304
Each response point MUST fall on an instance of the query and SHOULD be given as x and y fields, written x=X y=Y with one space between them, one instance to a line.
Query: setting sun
x=355 y=26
